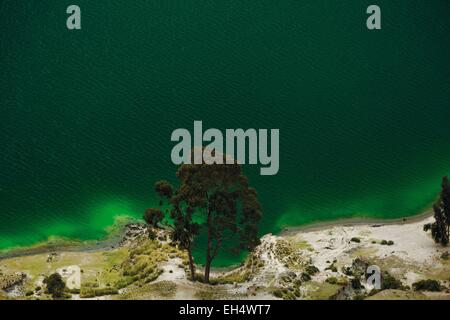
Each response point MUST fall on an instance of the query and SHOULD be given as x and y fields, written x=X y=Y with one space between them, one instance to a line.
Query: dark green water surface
x=86 y=116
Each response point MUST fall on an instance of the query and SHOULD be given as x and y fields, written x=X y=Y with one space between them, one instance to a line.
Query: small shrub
x=311 y=270
x=289 y=296
x=284 y=294
x=389 y=282
x=297 y=283
x=278 y=293
x=331 y=280
x=355 y=239
x=427 y=285
x=151 y=234
x=332 y=267
x=55 y=285
x=355 y=283
x=305 y=277
x=347 y=271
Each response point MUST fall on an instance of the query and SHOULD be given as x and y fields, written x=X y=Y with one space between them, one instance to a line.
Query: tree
x=221 y=195
x=184 y=229
x=164 y=189
x=153 y=216
x=55 y=285
x=445 y=203
x=440 y=229
x=216 y=197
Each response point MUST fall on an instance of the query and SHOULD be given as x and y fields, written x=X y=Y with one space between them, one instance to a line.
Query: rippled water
x=86 y=116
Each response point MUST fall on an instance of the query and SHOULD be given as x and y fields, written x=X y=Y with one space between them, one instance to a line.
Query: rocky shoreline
x=319 y=263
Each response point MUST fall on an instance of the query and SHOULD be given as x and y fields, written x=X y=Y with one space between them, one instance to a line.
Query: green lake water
x=86 y=116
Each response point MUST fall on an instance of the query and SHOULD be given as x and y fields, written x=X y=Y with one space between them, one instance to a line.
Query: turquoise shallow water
x=87 y=115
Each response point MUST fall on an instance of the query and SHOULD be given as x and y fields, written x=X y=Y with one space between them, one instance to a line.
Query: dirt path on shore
x=355 y=222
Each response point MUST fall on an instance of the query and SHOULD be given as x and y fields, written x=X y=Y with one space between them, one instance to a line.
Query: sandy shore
x=355 y=222
x=410 y=243
x=117 y=231
x=398 y=247
x=276 y=269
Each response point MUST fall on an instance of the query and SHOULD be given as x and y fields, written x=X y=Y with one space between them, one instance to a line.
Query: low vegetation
x=341 y=281
x=289 y=255
x=440 y=228
x=55 y=285
x=427 y=285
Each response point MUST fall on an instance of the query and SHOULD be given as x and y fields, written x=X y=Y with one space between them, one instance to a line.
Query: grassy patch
x=238 y=276
x=143 y=260
x=157 y=290
x=299 y=244
x=397 y=295
x=321 y=291
x=341 y=281
x=102 y=272
x=287 y=253
x=211 y=294
x=363 y=252
x=97 y=292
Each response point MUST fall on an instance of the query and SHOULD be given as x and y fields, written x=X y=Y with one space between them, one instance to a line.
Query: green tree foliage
x=440 y=229
x=55 y=285
x=153 y=216
x=216 y=197
x=184 y=229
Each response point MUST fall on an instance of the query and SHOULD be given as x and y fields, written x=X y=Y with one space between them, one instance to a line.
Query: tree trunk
x=207 y=270
x=191 y=264
x=208 y=261
x=208 y=251
x=210 y=257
